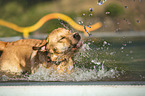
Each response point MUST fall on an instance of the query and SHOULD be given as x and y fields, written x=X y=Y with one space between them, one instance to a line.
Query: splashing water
x=78 y=74
x=100 y=2
x=91 y=9
x=82 y=61
x=87 y=67
x=86 y=30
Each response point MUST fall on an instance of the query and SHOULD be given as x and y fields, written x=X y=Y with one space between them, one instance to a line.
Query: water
x=100 y=2
x=100 y=59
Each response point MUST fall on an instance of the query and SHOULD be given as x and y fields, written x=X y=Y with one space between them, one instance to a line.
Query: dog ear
x=35 y=48
x=42 y=48
x=43 y=43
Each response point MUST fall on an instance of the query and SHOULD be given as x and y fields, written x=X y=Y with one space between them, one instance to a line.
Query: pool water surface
x=100 y=59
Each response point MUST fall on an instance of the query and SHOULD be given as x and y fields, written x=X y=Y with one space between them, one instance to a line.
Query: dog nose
x=77 y=36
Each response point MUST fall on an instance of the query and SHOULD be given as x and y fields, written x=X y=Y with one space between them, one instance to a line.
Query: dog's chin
x=77 y=46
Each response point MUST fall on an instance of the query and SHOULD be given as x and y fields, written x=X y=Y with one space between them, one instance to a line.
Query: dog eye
x=62 y=38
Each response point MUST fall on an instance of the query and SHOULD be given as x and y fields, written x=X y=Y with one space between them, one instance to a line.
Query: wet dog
x=29 y=42
x=21 y=59
x=54 y=52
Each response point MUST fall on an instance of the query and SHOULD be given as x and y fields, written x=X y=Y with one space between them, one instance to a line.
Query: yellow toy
x=26 y=30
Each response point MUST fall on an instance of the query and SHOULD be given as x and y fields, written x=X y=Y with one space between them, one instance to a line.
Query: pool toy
x=37 y=25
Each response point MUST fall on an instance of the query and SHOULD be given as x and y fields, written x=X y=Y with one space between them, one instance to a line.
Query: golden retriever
x=53 y=52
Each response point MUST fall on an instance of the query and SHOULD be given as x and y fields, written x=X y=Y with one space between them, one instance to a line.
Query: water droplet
x=87 y=31
x=118 y=23
x=130 y=51
x=127 y=54
x=116 y=30
x=94 y=67
x=98 y=63
x=125 y=19
x=85 y=28
x=126 y=6
x=95 y=62
x=122 y=48
x=112 y=53
x=88 y=26
x=107 y=13
x=80 y=22
x=90 y=14
x=83 y=14
x=105 y=42
x=124 y=44
x=129 y=23
x=138 y=21
x=100 y=2
x=130 y=42
x=91 y=9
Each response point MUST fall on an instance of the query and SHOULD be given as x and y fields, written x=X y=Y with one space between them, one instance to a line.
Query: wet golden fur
x=54 y=52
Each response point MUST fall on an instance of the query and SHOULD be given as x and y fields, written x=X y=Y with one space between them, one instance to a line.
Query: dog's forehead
x=59 y=33
x=62 y=31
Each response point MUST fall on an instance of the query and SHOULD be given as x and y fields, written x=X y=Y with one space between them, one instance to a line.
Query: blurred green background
x=116 y=15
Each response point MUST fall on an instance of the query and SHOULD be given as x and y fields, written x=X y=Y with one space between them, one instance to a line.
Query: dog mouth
x=77 y=46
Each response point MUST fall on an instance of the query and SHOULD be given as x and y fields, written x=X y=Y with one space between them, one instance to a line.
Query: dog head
x=61 y=44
